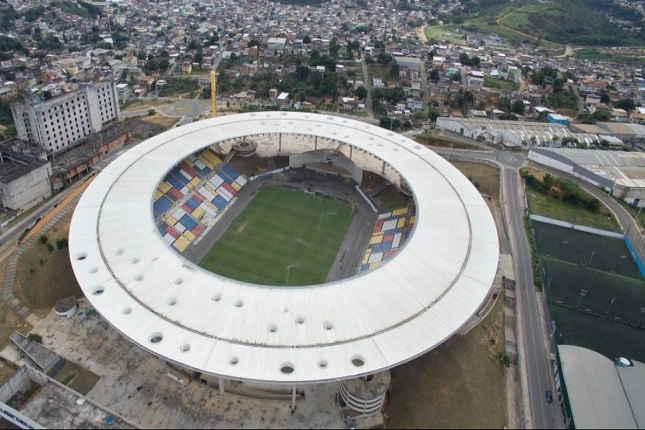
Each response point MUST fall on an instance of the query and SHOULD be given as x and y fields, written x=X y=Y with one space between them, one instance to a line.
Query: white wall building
x=60 y=123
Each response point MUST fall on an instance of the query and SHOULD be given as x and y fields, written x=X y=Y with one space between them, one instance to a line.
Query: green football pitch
x=283 y=237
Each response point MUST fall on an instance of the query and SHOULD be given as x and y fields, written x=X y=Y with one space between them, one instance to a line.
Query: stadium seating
x=389 y=234
x=195 y=188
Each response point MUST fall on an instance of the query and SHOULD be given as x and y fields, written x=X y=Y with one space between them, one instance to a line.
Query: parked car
x=549 y=396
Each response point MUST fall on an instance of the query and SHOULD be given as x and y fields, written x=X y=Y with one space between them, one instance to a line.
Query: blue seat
x=219 y=202
x=188 y=222
x=162 y=205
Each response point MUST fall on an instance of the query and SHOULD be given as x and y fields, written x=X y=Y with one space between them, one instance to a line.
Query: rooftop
x=339 y=330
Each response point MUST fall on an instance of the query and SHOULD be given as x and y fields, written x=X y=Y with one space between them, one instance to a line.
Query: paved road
x=536 y=375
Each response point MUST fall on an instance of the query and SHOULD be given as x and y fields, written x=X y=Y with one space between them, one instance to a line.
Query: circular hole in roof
x=138 y=278
x=156 y=337
x=93 y=270
x=98 y=290
x=306 y=116
x=389 y=133
x=172 y=301
x=379 y=144
x=126 y=310
x=287 y=368
x=300 y=319
x=120 y=251
x=323 y=364
x=263 y=123
x=285 y=310
x=371 y=137
x=358 y=360
x=216 y=297
x=328 y=325
x=239 y=303
x=331 y=118
x=233 y=361
x=135 y=260
x=272 y=328
x=253 y=114
x=184 y=347
x=395 y=149
x=81 y=256
x=179 y=281
x=417 y=147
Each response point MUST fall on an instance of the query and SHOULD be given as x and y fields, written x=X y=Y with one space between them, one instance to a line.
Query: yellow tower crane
x=214 y=93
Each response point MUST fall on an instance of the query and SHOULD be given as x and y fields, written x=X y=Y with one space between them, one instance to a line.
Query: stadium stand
x=389 y=234
x=199 y=186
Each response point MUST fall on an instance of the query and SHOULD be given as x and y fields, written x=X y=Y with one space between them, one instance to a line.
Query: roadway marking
x=510 y=158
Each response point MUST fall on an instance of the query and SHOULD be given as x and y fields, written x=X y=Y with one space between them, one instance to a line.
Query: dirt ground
x=483 y=176
x=43 y=276
x=461 y=384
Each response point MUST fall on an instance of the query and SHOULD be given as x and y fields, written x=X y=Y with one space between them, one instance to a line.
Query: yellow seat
x=401 y=211
x=193 y=182
x=164 y=187
x=198 y=213
x=188 y=235
x=181 y=243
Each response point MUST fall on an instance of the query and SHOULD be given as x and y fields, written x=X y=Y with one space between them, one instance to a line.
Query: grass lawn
x=44 y=277
x=460 y=384
x=281 y=234
x=501 y=84
x=486 y=176
x=552 y=207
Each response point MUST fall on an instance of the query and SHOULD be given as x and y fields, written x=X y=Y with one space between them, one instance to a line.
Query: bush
x=61 y=243
x=49 y=247
x=151 y=111
x=43 y=239
x=35 y=337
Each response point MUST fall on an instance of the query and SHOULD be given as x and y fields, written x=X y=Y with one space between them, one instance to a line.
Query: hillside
x=594 y=22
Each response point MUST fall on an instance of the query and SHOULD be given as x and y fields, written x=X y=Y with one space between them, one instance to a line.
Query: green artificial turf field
x=283 y=237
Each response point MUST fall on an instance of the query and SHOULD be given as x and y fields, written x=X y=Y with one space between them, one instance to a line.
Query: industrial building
x=522 y=134
x=602 y=393
x=24 y=179
x=58 y=124
x=619 y=172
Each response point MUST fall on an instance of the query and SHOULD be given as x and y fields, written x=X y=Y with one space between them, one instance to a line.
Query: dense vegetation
x=562 y=189
x=553 y=21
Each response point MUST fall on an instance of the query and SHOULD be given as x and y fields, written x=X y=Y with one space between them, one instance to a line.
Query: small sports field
x=283 y=237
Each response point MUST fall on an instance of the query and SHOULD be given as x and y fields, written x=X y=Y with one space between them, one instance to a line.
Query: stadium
x=396 y=283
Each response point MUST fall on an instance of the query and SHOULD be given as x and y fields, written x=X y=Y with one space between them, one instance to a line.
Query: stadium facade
x=358 y=326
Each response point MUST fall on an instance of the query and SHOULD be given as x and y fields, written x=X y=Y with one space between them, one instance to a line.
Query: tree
x=306 y=40
x=518 y=107
x=434 y=75
x=626 y=104
x=252 y=43
x=361 y=92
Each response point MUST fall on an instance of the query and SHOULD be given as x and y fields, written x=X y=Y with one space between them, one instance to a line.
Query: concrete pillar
x=293 y=399
x=221 y=386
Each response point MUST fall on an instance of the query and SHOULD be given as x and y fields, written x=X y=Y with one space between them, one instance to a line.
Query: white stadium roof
x=339 y=330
